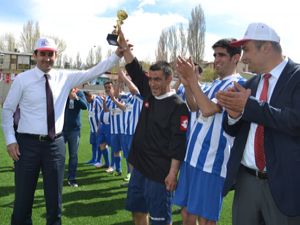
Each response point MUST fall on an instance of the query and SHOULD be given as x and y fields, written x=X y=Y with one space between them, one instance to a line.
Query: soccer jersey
x=134 y=105
x=181 y=90
x=193 y=115
x=104 y=116
x=208 y=145
x=117 y=122
x=94 y=109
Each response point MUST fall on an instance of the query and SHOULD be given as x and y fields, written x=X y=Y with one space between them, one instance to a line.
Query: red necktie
x=50 y=110
x=259 y=151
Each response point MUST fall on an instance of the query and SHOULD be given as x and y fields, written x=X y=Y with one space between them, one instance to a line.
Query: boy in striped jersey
x=97 y=126
x=94 y=109
x=202 y=174
x=133 y=103
x=115 y=109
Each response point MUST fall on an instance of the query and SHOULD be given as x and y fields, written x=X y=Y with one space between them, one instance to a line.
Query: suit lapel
x=254 y=84
x=283 y=79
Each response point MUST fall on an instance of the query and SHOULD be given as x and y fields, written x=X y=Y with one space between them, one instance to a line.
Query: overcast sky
x=84 y=24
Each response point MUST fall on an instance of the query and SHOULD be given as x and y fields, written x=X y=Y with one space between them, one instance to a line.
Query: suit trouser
x=253 y=203
x=49 y=157
x=72 y=138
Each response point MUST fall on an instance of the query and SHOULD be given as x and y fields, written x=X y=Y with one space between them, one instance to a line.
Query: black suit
x=281 y=119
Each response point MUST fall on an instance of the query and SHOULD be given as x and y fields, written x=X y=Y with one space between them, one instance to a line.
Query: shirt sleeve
x=9 y=107
x=179 y=126
x=138 y=77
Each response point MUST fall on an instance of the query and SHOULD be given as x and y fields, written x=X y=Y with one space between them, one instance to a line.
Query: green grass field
x=99 y=199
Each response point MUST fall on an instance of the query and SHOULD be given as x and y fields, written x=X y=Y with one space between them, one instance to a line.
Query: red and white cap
x=45 y=44
x=257 y=32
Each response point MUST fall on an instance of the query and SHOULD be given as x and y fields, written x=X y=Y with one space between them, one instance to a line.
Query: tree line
x=185 y=40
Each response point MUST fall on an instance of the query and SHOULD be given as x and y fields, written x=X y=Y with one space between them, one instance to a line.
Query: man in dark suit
x=264 y=116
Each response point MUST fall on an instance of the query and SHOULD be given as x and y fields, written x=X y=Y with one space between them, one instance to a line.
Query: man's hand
x=13 y=151
x=103 y=98
x=73 y=94
x=234 y=99
x=171 y=181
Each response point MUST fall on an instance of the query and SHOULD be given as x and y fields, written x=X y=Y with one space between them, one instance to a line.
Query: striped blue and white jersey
x=134 y=105
x=94 y=110
x=117 y=123
x=209 y=146
x=109 y=103
x=193 y=115
x=181 y=90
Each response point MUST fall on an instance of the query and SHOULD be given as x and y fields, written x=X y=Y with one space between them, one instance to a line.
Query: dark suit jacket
x=281 y=119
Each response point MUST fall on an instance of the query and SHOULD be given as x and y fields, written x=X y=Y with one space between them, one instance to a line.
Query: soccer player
x=203 y=171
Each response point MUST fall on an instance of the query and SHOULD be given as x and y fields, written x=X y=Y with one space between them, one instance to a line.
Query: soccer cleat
x=72 y=183
x=109 y=170
x=127 y=178
x=98 y=165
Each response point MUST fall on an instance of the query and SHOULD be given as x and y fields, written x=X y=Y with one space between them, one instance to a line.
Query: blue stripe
x=193 y=142
x=205 y=146
x=218 y=162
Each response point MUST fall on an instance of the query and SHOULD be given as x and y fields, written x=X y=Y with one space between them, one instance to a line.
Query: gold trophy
x=113 y=37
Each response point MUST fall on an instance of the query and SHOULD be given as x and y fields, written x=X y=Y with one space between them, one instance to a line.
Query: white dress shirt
x=28 y=91
x=248 y=159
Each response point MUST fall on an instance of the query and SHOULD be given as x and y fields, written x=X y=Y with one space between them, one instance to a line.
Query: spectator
x=71 y=130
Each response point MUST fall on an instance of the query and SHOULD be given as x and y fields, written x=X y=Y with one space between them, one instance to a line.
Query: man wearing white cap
x=264 y=116
x=41 y=94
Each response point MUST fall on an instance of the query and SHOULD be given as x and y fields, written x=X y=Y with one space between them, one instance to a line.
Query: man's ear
x=170 y=78
x=236 y=58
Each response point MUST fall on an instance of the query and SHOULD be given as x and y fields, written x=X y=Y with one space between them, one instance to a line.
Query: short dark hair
x=87 y=93
x=107 y=82
x=164 y=66
x=225 y=43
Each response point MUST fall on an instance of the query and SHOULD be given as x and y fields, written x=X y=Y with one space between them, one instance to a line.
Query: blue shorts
x=104 y=134
x=147 y=196
x=200 y=192
x=115 y=142
x=93 y=138
x=126 y=140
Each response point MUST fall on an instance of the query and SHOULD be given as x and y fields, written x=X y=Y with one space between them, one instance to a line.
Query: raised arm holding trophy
x=113 y=37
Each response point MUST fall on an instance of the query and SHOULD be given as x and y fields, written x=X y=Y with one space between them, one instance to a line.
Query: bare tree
x=2 y=43
x=11 y=42
x=60 y=43
x=182 y=40
x=8 y=42
x=29 y=35
x=196 y=34
x=98 y=54
x=109 y=52
x=162 y=49
x=90 y=60
x=66 y=62
x=173 y=43
x=78 y=61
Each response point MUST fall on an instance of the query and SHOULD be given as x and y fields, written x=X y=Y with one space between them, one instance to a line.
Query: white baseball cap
x=257 y=32
x=45 y=44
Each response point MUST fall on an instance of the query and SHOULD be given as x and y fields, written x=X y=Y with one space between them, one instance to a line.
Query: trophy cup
x=113 y=37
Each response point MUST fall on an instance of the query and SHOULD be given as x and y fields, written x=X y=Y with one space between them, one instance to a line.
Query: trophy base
x=112 y=39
